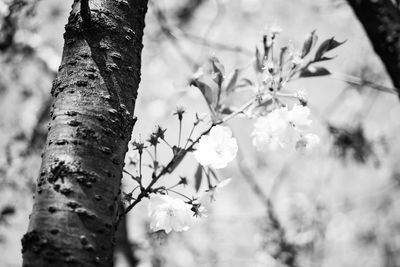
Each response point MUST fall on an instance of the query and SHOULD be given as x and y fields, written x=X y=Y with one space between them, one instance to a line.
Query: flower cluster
x=276 y=126
x=216 y=149
x=172 y=214
x=284 y=128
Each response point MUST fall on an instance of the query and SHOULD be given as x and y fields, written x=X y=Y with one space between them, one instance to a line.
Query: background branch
x=381 y=21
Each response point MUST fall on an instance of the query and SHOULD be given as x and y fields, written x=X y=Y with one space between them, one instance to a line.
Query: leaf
x=245 y=82
x=309 y=43
x=314 y=72
x=326 y=46
x=226 y=110
x=232 y=79
x=258 y=65
x=324 y=59
x=205 y=89
x=218 y=71
x=213 y=174
x=283 y=56
x=179 y=155
x=198 y=176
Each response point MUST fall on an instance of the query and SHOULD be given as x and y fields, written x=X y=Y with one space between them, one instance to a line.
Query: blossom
x=282 y=128
x=169 y=214
x=272 y=130
x=298 y=116
x=216 y=149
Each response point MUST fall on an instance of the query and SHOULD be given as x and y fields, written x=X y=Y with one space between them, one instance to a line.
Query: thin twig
x=361 y=82
x=167 y=31
x=213 y=44
x=286 y=247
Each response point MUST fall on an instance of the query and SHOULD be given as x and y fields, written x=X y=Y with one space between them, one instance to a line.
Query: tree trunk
x=381 y=21
x=76 y=199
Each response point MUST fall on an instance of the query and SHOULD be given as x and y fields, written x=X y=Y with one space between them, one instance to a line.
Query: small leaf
x=226 y=110
x=258 y=65
x=245 y=82
x=283 y=56
x=198 y=176
x=326 y=46
x=218 y=71
x=213 y=174
x=205 y=89
x=231 y=81
x=309 y=43
x=324 y=59
x=7 y=210
x=314 y=72
x=179 y=155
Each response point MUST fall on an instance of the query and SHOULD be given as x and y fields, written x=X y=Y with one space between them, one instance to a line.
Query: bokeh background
x=337 y=205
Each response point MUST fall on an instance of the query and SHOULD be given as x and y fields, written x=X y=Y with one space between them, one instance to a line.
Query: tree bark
x=381 y=21
x=76 y=199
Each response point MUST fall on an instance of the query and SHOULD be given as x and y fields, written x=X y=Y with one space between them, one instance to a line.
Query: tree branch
x=381 y=21
x=287 y=252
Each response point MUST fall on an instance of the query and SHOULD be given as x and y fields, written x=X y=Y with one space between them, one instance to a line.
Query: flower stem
x=173 y=191
x=180 y=133
x=190 y=135
x=165 y=141
x=239 y=110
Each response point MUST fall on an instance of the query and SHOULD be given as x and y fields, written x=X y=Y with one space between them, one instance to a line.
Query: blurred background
x=335 y=206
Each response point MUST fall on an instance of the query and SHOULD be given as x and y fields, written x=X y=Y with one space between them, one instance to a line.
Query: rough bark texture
x=381 y=21
x=76 y=199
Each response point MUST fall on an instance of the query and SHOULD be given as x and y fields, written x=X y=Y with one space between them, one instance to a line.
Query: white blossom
x=167 y=213
x=298 y=116
x=272 y=130
x=284 y=128
x=216 y=149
